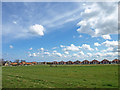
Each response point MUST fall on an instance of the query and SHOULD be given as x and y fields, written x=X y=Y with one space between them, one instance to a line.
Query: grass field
x=64 y=76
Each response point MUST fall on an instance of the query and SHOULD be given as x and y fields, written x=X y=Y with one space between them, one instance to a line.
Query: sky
x=55 y=31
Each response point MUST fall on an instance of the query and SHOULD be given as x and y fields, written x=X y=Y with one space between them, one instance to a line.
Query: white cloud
x=75 y=55
x=106 y=36
x=46 y=53
x=57 y=54
x=37 y=30
x=34 y=54
x=96 y=49
x=80 y=36
x=99 y=19
x=66 y=52
x=30 y=48
x=62 y=46
x=110 y=43
x=108 y=49
x=89 y=54
x=54 y=47
x=11 y=46
x=85 y=46
x=54 y=51
x=72 y=47
x=30 y=55
x=14 y=22
x=42 y=49
x=81 y=53
x=97 y=44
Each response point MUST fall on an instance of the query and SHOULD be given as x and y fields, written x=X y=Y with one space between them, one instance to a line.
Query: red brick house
x=62 y=62
x=69 y=62
x=34 y=63
x=14 y=64
x=43 y=62
x=28 y=63
x=115 y=61
x=105 y=61
x=77 y=62
x=54 y=62
x=85 y=62
x=94 y=62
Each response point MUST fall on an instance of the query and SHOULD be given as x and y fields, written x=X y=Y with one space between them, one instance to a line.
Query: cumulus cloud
x=14 y=22
x=72 y=47
x=66 y=52
x=110 y=43
x=108 y=49
x=62 y=46
x=81 y=53
x=42 y=49
x=106 y=36
x=75 y=55
x=37 y=30
x=80 y=36
x=96 y=49
x=89 y=54
x=54 y=51
x=59 y=54
x=30 y=48
x=32 y=55
x=97 y=44
x=85 y=46
x=99 y=19
x=11 y=46
x=46 y=53
x=54 y=47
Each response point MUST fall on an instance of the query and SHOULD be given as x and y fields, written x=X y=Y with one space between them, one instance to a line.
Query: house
x=77 y=62
x=54 y=62
x=62 y=62
x=94 y=62
x=28 y=63
x=105 y=61
x=115 y=61
x=6 y=64
x=23 y=62
x=43 y=63
x=14 y=64
x=69 y=62
x=34 y=63
x=85 y=62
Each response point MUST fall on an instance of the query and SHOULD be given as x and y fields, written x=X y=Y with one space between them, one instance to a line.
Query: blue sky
x=55 y=31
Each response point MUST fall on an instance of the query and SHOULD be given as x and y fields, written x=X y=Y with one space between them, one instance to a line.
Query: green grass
x=62 y=76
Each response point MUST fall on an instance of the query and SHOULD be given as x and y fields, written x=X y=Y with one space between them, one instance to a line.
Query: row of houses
x=9 y=63
x=105 y=61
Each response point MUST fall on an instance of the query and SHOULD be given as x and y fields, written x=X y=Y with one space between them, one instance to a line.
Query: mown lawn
x=63 y=76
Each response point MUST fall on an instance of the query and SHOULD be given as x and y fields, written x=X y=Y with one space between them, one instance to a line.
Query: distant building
x=69 y=62
x=94 y=62
x=62 y=62
x=77 y=62
x=116 y=61
x=105 y=61
x=85 y=62
x=54 y=62
x=14 y=64
x=34 y=63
